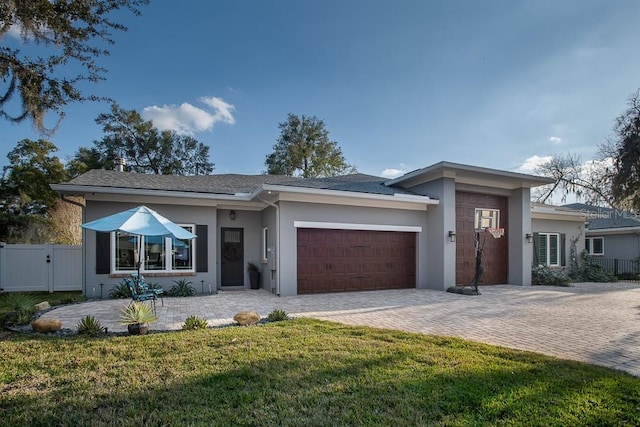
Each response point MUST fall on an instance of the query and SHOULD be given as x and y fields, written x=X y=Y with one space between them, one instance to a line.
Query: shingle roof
x=232 y=183
x=599 y=218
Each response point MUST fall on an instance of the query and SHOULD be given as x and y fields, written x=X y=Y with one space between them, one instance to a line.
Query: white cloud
x=187 y=118
x=531 y=163
x=392 y=173
x=555 y=139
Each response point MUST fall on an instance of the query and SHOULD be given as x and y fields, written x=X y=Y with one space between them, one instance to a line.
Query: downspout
x=277 y=208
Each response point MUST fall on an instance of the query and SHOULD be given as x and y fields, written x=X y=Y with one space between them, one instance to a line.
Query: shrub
x=194 y=323
x=591 y=272
x=277 y=315
x=182 y=288
x=18 y=308
x=120 y=291
x=137 y=313
x=543 y=275
x=89 y=325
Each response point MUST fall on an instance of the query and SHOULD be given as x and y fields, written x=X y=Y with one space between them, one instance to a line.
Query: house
x=612 y=237
x=346 y=233
x=557 y=235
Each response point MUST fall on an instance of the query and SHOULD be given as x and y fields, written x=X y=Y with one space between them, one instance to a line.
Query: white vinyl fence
x=32 y=268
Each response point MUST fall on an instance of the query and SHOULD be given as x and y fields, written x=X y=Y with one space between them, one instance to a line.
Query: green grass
x=301 y=373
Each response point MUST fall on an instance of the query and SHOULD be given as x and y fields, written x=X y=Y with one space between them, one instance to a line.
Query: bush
x=18 y=308
x=182 y=288
x=194 y=323
x=543 y=275
x=277 y=315
x=591 y=272
x=89 y=325
x=120 y=291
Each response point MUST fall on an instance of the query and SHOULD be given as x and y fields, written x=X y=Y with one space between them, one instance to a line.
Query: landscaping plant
x=120 y=291
x=194 y=323
x=277 y=315
x=18 y=308
x=136 y=317
x=543 y=275
x=89 y=325
x=182 y=288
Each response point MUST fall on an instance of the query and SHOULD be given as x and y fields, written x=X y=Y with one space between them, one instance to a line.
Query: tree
x=86 y=159
x=304 y=149
x=144 y=147
x=626 y=176
x=589 y=181
x=25 y=181
x=69 y=35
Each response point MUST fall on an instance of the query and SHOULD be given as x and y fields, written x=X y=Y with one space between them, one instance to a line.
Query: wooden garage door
x=496 y=251
x=355 y=260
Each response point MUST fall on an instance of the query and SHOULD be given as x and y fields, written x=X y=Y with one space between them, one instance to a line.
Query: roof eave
x=71 y=189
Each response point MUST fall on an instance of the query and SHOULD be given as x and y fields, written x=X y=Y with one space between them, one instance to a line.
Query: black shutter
x=202 y=256
x=536 y=243
x=103 y=253
x=563 y=252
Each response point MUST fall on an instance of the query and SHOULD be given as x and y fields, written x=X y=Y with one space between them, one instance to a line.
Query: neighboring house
x=558 y=235
x=612 y=237
x=347 y=233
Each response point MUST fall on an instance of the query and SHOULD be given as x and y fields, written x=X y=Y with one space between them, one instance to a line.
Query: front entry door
x=232 y=257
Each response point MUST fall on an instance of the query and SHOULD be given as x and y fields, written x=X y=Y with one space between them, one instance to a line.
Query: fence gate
x=33 y=268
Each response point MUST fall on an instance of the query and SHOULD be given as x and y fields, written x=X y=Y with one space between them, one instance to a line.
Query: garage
x=331 y=260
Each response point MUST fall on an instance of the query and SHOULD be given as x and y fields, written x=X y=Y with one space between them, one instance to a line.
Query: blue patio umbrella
x=140 y=221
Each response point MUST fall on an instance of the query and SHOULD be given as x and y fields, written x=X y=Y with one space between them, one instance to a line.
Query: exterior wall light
x=452 y=236
x=529 y=237
x=232 y=215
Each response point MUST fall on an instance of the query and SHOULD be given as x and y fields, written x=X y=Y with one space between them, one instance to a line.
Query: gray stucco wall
x=270 y=268
x=520 y=251
x=441 y=259
x=178 y=214
x=574 y=230
x=295 y=211
x=622 y=246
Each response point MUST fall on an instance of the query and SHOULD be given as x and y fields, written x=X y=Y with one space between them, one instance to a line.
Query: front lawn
x=301 y=373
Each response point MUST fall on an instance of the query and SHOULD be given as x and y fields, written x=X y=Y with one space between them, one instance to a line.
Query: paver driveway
x=590 y=322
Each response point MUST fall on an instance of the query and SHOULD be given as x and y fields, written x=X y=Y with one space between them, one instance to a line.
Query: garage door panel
x=352 y=260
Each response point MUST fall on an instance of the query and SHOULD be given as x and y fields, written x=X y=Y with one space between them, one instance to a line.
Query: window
x=159 y=254
x=487 y=218
x=265 y=243
x=549 y=249
x=594 y=245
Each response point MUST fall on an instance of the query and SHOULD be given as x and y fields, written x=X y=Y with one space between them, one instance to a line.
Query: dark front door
x=232 y=257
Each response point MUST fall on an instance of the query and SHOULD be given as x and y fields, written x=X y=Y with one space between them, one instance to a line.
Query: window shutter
x=536 y=243
x=563 y=252
x=103 y=253
x=202 y=256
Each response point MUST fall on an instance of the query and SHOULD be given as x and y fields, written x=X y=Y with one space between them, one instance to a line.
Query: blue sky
x=400 y=84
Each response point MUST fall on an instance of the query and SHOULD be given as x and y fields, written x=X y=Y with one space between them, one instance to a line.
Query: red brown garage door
x=355 y=260
x=496 y=251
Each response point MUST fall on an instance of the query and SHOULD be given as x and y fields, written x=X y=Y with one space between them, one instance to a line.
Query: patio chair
x=143 y=286
x=137 y=294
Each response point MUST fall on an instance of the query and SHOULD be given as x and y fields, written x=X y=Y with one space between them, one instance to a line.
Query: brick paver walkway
x=589 y=322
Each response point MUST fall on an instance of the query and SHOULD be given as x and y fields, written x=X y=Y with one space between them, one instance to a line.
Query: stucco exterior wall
x=199 y=215
x=270 y=268
x=622 y=246
x=520 y=251
x=573 y=230
x=296 y=211
x=440 y=251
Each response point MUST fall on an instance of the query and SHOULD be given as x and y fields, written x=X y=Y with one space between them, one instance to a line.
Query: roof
x=467 y=174
x=564 y=213
x=229 y=184
x=600 y=218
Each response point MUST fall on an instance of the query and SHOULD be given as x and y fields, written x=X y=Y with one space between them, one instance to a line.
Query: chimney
x=120 y=163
